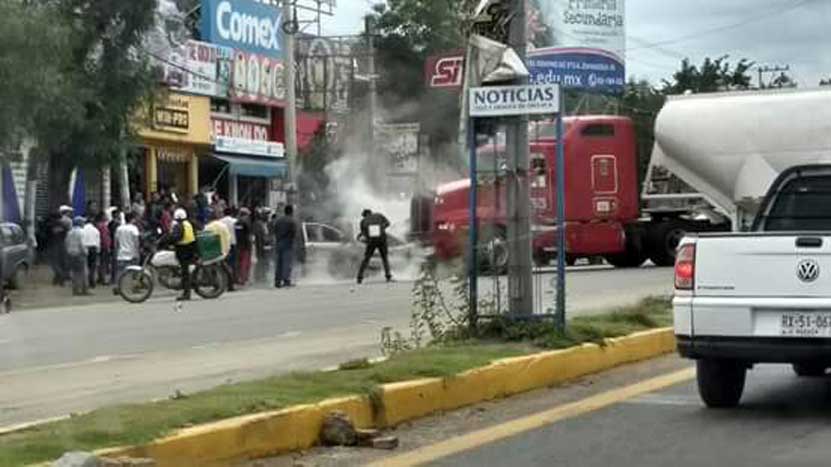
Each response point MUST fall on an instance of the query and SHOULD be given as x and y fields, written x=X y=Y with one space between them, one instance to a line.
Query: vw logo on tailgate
x=807 y=270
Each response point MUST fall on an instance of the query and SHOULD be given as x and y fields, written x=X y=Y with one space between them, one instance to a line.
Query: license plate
x=805 y=324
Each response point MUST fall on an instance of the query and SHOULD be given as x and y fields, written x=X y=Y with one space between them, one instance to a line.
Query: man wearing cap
x=77 y=257
x=183 y=237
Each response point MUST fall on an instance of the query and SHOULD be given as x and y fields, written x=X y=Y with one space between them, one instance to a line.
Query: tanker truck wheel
x=663 y=240
x=634 y=256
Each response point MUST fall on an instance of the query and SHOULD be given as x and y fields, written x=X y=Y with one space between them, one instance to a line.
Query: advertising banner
x=574 y=43
x=257 y=79
x=577 y=43
x=325 y=70
x=249 y=147
x=249 y=25
x=398 y=144
x=240 y=129
x=200 y=68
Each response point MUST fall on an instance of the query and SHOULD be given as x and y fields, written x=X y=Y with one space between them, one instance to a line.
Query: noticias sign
x=498 y=101
x=249 y=25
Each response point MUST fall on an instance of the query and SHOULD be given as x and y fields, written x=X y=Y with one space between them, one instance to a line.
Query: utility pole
x=290 y=110
x=770 y=69
x=520 y=293
x=373 y=84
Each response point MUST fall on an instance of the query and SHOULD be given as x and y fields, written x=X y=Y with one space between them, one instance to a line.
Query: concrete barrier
x=278 y=432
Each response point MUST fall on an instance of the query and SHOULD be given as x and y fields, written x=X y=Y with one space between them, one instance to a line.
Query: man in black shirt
x=374 y=233
x=285 y=234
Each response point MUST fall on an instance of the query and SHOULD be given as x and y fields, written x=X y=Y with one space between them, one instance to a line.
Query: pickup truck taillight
x=685 y=267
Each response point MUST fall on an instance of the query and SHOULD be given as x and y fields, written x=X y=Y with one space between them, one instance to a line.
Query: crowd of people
x=94 y=249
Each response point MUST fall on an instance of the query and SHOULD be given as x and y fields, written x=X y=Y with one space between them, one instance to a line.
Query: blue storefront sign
x=249 y=25
x=587 y=69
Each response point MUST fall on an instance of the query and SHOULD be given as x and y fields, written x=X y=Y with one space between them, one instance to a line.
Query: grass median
x=141 y=423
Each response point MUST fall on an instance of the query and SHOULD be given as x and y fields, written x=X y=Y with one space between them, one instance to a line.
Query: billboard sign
x=398 y=144
x=578 y=43
x=574 y=43
x=257 y=79
x=325 y=71
x=200 y=68
x=249 y=25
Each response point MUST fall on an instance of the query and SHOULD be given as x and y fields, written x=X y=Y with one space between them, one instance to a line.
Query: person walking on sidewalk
x=285 y=234
x=261 y=245
x=183 y=237
x=59 y=228
x=92 y=243
x=244 y=244
x=127 y=247
x=230 y=222
x=374 y=234
x=105 y=257
x=217 y=227
x=77 y=257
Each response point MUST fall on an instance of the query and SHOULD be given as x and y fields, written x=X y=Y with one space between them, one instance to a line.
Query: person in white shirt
x=92 y=242
x=127 y=238
x=231 y=223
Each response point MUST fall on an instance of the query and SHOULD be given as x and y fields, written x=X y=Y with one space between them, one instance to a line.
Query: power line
x=752 y=19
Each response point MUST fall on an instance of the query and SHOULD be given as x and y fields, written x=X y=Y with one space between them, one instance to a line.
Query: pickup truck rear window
x=802 y=204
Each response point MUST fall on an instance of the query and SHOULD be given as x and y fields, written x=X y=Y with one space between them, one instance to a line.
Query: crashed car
x=327 y=248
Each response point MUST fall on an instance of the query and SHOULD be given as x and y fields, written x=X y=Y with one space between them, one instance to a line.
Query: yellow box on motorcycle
x=209 y=246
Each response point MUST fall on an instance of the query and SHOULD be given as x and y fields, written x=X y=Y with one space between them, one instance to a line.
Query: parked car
x=17 y=255
x=327 y=248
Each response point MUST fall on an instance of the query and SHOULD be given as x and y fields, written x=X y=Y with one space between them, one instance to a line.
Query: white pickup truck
x=761 y=295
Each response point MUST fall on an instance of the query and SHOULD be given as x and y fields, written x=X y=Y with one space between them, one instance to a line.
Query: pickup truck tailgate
x=763 y=265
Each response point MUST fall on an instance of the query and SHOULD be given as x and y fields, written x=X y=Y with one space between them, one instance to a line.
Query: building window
x=222 y=106
x=254 y=110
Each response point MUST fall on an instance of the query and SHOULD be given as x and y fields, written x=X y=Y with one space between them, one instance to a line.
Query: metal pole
x=290 y=110
x=473 y=256
x=561 y=218
x=373 y=85
x=520 y=285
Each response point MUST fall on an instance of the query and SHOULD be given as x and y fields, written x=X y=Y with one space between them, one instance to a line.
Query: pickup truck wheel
x=663 y=240
x=720 y=382
x=809 y=369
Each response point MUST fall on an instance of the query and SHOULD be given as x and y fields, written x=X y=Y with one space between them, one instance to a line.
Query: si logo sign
x=445 y=71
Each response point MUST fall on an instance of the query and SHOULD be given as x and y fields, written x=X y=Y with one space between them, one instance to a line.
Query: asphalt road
x=783 y=421
x=62 y=360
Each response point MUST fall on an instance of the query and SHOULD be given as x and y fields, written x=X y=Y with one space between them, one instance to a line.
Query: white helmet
x=180 y=214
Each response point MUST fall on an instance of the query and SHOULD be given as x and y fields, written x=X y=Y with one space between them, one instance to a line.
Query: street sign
x=500 y=101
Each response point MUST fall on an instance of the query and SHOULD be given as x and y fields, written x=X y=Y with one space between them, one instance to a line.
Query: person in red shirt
x=167 y=217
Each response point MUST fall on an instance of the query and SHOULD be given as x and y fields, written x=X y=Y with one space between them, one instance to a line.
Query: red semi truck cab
x=601 y=192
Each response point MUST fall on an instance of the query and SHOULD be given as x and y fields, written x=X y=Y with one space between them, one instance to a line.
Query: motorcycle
x=136 y=284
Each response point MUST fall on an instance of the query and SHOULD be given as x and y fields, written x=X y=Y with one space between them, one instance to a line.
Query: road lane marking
x=492 y=434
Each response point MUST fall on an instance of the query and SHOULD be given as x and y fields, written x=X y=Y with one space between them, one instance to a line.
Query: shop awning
x=253 y=166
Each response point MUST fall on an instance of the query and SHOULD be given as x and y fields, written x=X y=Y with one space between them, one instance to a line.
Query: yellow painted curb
x=297 y=428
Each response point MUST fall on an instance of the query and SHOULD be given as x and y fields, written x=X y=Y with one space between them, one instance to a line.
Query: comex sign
x=253 y=26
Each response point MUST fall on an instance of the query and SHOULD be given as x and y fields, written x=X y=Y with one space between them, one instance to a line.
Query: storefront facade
x=180 y=131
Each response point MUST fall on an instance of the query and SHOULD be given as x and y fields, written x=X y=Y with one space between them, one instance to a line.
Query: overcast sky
x=769 y=32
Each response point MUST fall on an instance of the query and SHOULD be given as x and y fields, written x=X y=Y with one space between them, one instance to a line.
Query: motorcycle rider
x=183 y=236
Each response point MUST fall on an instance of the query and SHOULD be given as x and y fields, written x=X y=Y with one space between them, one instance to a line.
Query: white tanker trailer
x=727 y=148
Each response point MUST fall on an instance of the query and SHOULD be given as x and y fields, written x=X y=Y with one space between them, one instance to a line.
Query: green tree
x=712 y=76
x=32 y=61
x=407 y=32
x=106 y=79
